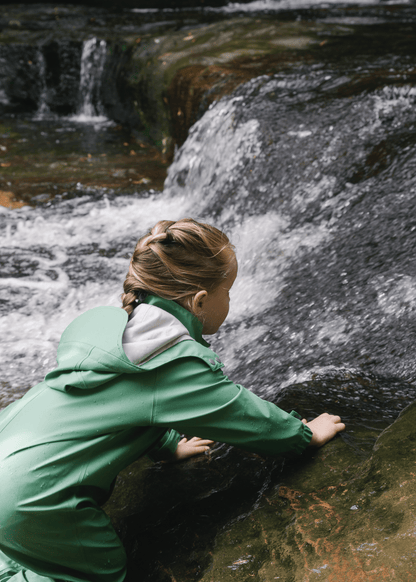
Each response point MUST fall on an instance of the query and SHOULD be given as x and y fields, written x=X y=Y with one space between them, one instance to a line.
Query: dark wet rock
x=330 y=520
x=19 y=79
x=62 y=73
x=169 y=515
x=269 y=149
x=117 y=95
x=344 y=512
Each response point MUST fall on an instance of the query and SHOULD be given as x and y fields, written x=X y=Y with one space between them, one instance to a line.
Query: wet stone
x=48 y=158
x=329 y=514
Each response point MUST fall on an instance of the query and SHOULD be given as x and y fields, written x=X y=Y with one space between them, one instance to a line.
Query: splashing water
x=276 y=5
x=313 y=188
x=61 y=261
x=43 y=111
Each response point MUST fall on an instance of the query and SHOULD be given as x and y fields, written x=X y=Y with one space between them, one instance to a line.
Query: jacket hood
x=103 y=343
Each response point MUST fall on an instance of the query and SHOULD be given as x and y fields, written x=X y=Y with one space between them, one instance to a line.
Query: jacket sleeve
x=196 y=400
x=165 y=447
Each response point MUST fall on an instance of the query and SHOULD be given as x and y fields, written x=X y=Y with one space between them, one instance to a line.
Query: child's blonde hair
x=175 y=260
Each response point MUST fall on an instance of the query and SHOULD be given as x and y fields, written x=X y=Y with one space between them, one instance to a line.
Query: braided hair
x=175 y=260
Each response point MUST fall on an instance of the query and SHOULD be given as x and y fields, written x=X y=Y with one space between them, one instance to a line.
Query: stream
x=310 y=171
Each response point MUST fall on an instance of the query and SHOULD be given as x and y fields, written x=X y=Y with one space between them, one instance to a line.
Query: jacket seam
x=93 y=347
x=78 y=367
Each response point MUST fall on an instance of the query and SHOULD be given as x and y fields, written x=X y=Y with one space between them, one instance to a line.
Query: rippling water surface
x=312 y=174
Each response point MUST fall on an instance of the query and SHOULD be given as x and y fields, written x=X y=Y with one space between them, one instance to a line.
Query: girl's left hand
x=324 y=428
x=188 y=448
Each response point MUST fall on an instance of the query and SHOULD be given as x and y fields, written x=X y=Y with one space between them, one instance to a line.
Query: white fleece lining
x=150 y=331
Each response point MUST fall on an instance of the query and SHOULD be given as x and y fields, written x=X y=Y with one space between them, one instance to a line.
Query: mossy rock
x=174 y=77
x=326 y=515
x=331 y=521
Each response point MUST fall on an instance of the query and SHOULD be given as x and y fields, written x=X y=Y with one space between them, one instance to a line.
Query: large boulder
x=330 y=514
x=175 y=75
x=332 y=519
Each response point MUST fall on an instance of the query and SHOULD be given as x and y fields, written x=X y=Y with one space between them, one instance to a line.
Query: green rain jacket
x=97 y=411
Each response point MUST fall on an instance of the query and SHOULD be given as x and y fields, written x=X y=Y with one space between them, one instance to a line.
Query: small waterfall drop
x=92 y=65
x=43 y=111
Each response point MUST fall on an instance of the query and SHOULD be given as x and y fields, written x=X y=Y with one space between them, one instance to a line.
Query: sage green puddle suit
x=63 y=444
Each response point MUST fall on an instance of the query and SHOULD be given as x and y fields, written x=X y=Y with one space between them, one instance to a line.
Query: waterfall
x=92 y=66
x=43 y=111
x=54 y=90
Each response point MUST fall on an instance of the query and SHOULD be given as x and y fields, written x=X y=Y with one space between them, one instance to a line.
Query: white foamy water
x=97 y=120
x=396 y=297
x=389 y=102
x=61 y=262
x=274 y=6
x=74 y=256
x=43 y=111
x=265 y=249
x=214 y=152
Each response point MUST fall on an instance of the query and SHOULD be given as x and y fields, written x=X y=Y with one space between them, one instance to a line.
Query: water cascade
x=92 y=66
x=43 y=110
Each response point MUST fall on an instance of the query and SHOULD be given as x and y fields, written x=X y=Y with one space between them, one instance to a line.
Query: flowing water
x=312 y=177
x=92 y=66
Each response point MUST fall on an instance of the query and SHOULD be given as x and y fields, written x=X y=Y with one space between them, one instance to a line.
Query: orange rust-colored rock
x=196 y=84
x=332 y=522
x=7 y=199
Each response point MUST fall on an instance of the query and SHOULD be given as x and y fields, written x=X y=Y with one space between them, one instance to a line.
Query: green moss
x=231 y=44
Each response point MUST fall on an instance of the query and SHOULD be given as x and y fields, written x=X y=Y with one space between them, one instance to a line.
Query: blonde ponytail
x=175 y=260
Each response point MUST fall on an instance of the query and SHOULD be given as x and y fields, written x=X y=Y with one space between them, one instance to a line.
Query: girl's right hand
x=324 y=428
x=189 y=448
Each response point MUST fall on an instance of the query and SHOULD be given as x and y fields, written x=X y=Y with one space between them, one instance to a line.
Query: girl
x=127 y=382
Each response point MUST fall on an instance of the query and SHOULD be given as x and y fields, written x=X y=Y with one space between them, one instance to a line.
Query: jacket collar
x=192 y=323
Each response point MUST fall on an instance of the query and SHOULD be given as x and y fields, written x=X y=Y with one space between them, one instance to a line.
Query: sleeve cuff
x=306 y=435
x=165 y=447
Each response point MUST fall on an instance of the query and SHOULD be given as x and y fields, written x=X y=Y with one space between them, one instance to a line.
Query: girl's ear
x=198 y=302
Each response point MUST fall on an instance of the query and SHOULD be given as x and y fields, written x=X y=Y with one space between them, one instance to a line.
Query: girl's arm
x=192 y=398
